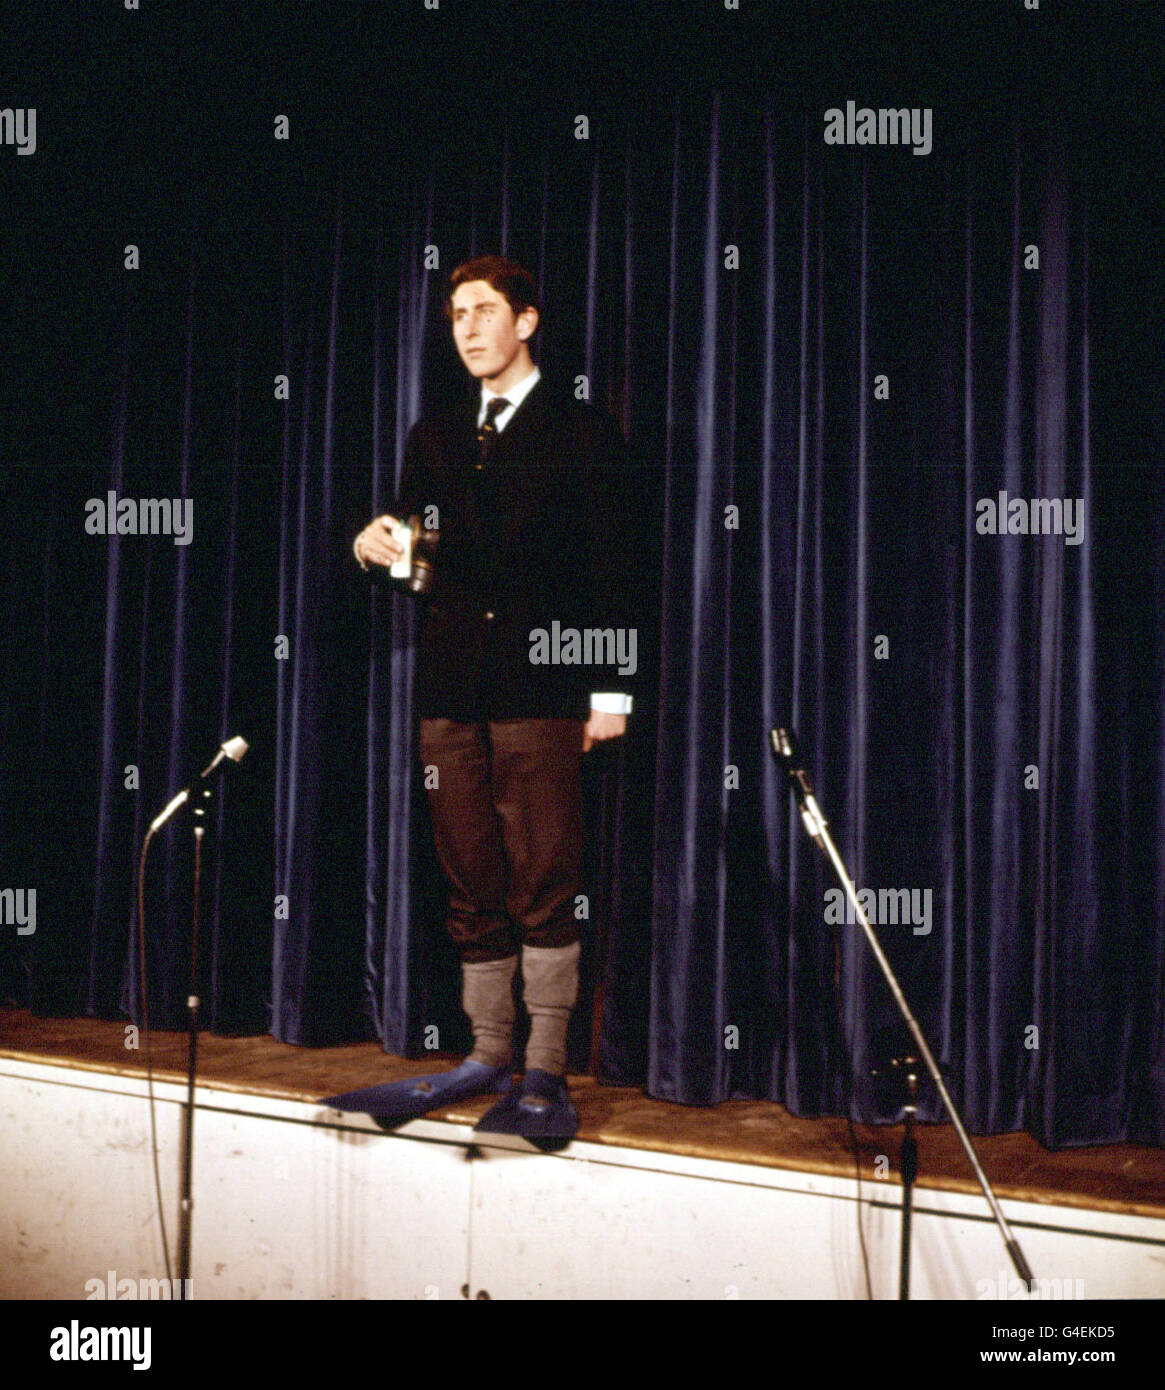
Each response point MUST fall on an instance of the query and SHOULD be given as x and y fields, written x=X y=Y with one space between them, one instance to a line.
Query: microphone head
x=784 y=744
x=235 y=747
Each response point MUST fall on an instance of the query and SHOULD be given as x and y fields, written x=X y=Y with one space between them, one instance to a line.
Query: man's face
x=488 y=335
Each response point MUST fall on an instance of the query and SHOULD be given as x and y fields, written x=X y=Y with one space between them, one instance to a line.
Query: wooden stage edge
x=1124 y=1178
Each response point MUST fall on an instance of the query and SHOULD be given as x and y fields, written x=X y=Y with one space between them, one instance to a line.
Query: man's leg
x=537 y=794
x=487 y=996
x=468 y=837
x=469 y=845
x=550 y=985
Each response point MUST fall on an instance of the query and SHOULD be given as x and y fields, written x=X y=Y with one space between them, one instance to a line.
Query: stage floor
x=1120 y=1178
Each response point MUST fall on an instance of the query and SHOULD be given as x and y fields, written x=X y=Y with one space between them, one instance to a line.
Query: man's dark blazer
x=539 y=535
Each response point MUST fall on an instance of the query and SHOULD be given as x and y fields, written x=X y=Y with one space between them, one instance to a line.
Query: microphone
x=786 y=752
x=233 y=748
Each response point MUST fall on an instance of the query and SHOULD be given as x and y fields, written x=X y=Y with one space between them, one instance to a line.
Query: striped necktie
x=489 y=431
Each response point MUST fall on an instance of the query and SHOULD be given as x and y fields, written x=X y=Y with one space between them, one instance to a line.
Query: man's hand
x=600 y=726
x=375 y=544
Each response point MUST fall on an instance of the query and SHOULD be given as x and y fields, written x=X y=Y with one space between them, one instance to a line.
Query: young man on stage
x=526 y=656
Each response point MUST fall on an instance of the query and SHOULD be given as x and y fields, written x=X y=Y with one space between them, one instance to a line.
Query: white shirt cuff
x=611 y=704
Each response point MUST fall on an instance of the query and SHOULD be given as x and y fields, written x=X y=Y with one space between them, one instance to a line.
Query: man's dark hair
x=511 y=280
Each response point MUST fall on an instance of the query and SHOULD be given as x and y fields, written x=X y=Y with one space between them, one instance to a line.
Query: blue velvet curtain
x=824 y=359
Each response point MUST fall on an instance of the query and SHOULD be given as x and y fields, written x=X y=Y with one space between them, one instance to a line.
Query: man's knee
x=559 y=931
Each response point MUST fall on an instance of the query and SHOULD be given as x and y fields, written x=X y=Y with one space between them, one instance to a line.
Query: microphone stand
x=908 y=1166
x=185 y=1212
x=784 y=750
x=233 y=749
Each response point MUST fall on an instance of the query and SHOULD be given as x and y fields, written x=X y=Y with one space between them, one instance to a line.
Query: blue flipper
x=539 y=1110
x=404 y=1100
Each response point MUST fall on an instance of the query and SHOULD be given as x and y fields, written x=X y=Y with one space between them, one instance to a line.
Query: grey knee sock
x=487 y=996
x=550 y=980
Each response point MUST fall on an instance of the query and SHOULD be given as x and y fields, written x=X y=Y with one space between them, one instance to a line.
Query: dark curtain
x=824 y=359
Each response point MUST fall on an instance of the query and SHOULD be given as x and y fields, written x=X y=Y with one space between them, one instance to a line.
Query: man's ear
x=527 y=323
